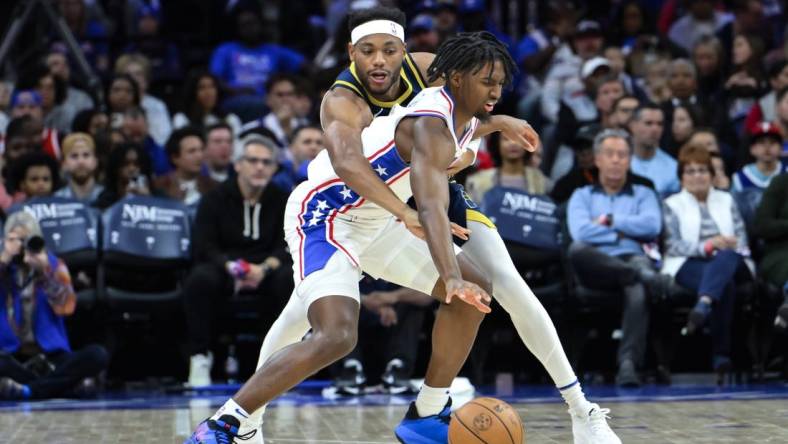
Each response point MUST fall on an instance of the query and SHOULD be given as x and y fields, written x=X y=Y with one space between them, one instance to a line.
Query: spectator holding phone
x=36 y=360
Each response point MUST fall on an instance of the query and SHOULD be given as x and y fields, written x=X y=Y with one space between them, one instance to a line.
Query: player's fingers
x=449 y=296
x=471 y=299
x=480 y=305
x=460 y=231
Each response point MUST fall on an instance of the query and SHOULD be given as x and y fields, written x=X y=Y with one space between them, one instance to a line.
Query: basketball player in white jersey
x=346 y=110
x=335 y=234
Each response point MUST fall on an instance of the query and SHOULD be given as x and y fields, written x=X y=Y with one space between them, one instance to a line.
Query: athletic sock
x=575 y=398
x=233 y=409
x=431 y=400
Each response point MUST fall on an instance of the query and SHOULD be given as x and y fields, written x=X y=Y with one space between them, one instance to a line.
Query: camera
x=35 y=244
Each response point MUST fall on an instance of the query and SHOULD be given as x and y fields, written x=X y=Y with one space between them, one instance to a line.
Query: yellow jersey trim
x=349 y=85
x=416 y=72
x=478 y=216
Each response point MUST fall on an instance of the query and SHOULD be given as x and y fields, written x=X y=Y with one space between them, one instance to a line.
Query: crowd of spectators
x=664 y=150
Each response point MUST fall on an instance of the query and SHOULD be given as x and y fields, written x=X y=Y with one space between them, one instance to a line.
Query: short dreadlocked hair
x=470 y=52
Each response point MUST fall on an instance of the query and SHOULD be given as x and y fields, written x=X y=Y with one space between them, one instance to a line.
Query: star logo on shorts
x=321 y=205
x=381 y=171
x=346 y=193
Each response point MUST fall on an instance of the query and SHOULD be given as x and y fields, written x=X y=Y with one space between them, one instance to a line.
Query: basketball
x=486 y=421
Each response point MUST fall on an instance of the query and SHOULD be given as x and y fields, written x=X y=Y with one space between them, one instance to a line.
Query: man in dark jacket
x=238 y=244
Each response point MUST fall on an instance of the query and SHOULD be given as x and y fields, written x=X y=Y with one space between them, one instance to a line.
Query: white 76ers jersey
x=330 y=196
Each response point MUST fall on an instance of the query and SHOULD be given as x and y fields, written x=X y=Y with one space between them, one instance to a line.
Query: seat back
x=152 y=229
x=68 y=225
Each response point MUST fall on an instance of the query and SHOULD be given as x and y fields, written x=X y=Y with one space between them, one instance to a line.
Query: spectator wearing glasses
x=706 y=249
x=241 y=219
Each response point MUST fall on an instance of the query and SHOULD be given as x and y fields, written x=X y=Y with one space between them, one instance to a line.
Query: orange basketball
x=486 y=421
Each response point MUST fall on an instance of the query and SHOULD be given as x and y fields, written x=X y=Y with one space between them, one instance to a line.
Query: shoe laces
x=597 y=419
x=224 y=436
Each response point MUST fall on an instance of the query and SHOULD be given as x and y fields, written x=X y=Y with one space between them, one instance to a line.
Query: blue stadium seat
x=146 y=249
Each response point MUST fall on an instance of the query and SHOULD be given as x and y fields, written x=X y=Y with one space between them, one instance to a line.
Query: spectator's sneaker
x=697 y=317
x=200 y=370
x=87 y=388
x=433 y=429
x=627 y=375
x=591 y=427
x=351 y=381
x=10 y=389
x=395 y=381
x=221 y=431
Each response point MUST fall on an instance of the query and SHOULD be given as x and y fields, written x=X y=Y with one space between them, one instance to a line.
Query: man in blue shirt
x=649 y=160
x=245 y=66
x=609 y=221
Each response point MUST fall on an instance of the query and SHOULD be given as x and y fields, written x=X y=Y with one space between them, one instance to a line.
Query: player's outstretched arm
x=343 y=118
x=513 y=128
x=433 y=151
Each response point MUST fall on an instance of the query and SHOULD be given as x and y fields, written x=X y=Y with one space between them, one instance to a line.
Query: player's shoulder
x=341 y=102
x=432 y=99
x=422 y=60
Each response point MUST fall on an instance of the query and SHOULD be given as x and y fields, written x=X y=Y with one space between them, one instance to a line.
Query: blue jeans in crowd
x=716 y=277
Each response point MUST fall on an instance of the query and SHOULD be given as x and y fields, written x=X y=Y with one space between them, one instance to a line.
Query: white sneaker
x=200 y=370
x=592 y=428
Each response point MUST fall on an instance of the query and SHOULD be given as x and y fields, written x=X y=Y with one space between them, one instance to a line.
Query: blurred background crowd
x=654 y=211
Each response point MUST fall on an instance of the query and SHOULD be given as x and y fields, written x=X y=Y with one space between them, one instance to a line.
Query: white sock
x=575 y=398
x=431 y=400
x=233 y=409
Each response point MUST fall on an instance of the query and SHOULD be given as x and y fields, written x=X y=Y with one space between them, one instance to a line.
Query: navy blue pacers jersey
x=461 y=207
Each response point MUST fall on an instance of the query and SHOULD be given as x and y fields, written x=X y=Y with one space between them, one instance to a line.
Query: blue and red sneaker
x=433 y=429
x=221 y=431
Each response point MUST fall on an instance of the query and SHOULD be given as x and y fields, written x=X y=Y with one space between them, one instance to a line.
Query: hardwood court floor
x=697 y=421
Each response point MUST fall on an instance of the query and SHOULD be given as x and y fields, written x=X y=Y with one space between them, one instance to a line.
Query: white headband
x=377 y=27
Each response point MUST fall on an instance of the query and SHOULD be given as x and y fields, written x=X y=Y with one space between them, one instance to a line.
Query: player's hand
x=469 y=293
x=460 y=163
x=519 y=131
x=411 y=220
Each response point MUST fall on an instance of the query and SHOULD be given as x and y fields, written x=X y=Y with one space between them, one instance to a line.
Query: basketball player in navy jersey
x=383 y=74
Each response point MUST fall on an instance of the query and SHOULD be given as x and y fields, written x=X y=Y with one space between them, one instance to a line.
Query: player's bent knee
x=336 y=343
